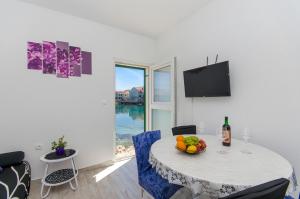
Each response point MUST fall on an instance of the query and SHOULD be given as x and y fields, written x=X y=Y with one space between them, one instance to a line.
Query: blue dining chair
x=275 y=189
x=288 y=197
x=181 y=130
x=291 y=197
x=149 y=179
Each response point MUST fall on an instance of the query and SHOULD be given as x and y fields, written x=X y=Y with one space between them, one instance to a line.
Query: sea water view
x=129 y=109
x=129 y=121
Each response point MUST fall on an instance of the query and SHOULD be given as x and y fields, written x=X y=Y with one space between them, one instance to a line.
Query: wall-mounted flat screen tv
x=208 y=81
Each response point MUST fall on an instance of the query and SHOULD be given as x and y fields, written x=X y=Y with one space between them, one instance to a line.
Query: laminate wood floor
x=119 y=181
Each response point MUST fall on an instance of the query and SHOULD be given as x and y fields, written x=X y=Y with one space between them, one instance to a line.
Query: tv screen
x=208 y=81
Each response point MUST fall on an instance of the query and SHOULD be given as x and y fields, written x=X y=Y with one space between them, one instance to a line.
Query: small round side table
x=61 y=176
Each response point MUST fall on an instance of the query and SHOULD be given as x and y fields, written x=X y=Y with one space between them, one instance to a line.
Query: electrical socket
x=104 y=102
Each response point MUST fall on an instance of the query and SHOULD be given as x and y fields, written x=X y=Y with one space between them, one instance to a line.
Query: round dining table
x=214 y=174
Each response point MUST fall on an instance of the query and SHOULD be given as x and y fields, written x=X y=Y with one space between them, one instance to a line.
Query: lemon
x=191 y=149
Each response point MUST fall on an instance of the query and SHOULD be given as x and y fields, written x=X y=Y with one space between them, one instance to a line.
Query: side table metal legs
x=75 y=171
x=72 y=186
x=48 y=184
x=42 y=192
x=43 y=185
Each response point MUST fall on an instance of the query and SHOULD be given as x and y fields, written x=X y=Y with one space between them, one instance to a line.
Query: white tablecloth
x=217 y=175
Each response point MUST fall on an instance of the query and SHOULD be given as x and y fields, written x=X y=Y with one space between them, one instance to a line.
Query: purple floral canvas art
x=86 y=62
x=34 y=56
x=49 y=57
x=58 y=58
x=62 y=59
x=75 y=61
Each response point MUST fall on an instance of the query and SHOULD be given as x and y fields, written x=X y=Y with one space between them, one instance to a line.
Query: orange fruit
x=179 y=138
x=181 y=146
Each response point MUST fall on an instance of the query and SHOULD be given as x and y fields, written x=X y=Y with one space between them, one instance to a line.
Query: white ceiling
x=147 y=17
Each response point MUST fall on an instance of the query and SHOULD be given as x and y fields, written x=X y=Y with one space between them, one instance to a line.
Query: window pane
x=161 y=120
x=162 y=84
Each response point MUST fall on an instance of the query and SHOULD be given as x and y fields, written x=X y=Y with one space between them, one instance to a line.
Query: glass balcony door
x=130 y=107
x=162 y=106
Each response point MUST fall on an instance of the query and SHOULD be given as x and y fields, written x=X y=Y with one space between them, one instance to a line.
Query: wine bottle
x=226 y=133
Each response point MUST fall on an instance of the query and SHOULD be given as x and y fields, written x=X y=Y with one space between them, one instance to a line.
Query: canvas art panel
x=49 y=57
x=62 y=59
x=34 y=56
x=75 y=61
x=86 y=62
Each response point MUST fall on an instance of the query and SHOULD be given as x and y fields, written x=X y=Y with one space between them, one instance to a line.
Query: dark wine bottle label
x=226 y=133
x=226 y=136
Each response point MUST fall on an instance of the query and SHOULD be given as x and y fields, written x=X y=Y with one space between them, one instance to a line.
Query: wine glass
x=219 y=135
x=246 y=138
x=202 y=127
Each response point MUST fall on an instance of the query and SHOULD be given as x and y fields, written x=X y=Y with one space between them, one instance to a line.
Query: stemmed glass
x=246 y=138
x=219 y=135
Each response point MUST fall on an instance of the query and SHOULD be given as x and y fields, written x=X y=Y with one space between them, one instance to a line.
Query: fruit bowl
x=190 y=144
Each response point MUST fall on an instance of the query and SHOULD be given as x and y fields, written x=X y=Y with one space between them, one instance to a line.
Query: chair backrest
x=180 y=130
x=271 y=190
x=142 y=144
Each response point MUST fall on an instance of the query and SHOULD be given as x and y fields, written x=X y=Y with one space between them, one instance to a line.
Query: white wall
x=261 y=38
x=37 y=108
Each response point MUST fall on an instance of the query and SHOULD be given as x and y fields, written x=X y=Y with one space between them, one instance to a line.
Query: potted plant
x=59 y=146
